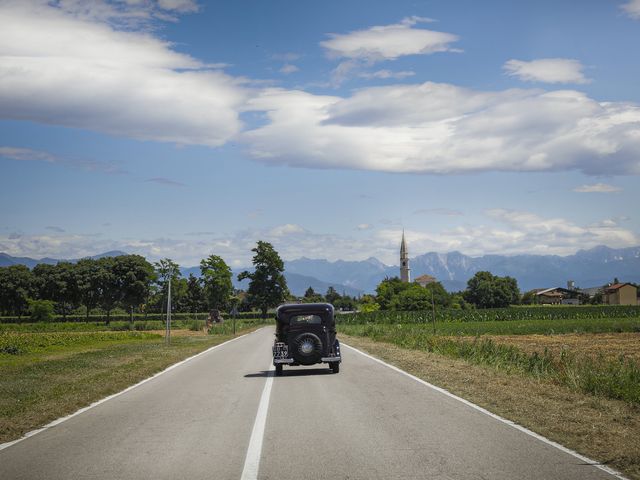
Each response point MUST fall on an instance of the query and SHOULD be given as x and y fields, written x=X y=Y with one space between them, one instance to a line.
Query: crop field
x=610 y=346
x=138 y=325
x=524 y=313
x=579 y=348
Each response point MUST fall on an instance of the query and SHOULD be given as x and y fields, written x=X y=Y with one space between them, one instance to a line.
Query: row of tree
x=484 y=290
x=131 y=283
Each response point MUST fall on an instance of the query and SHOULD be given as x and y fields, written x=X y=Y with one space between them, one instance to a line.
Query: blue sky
x=180 y=128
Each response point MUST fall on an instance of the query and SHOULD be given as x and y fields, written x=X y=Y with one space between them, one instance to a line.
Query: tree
x=387 y=292
x=216 y=277
x=267 y=286
x=195 y=300
x=368 y=304
x=415 y=297
x=332 y=296
x=485 y=290
x=166 y=270
x=41 y=310
x=89 y=276
x=310 y=296
x=109 y=286
x=134 y=276
x=58 y=283
x=16 y=286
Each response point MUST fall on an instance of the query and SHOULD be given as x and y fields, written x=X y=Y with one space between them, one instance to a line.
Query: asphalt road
x=197 y=421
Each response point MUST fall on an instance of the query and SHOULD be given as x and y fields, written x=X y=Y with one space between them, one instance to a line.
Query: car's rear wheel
x=278 y=370
x=335 y=367
x=307 y=348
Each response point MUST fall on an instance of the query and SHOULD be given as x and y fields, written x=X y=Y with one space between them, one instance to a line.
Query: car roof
x=304 y=308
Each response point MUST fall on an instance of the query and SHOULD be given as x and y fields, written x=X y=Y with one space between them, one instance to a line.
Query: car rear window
x=306 y=319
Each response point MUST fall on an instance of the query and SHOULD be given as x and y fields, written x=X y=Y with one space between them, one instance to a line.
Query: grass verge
x=604 y=429
x=55 y=374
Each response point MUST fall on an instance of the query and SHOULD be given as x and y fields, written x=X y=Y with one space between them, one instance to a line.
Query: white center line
x=252 y=460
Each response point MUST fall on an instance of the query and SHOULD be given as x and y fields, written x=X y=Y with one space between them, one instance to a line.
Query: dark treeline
x=130 y=284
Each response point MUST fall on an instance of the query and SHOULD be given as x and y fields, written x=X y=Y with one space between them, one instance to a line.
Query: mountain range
x=594 y=267
x=588 y=268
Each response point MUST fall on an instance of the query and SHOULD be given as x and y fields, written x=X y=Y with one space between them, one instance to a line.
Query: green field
x=523 y=313
x=48 y=374
x=617 y=376
x=139 y=325
x=502 y=327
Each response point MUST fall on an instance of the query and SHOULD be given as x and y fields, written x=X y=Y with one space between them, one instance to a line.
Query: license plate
x=280 y=350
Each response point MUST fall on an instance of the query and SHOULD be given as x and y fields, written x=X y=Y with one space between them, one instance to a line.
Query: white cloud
x=450 y=212
x=165 y=181
x=502 y=232
x=285 y=230
x=29 y=155
x=597 y=188
x=181 y=6
x=515 y=233
x=442 y=129
x=288 y=68
x=388 y=42
x=547 y=70
x=632 y=8
x=286 y=57
x=364 y=226
x=122 y=82
x=25 y=154
x=386 y=74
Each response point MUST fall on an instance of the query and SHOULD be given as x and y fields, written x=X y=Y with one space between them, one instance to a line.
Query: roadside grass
x=54 y=374
x=604 y=429
x=617 y=378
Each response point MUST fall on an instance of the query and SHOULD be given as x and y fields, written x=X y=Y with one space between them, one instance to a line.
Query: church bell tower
x=405 y=271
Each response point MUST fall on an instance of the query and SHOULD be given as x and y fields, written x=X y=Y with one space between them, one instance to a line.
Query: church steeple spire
x=405 y=271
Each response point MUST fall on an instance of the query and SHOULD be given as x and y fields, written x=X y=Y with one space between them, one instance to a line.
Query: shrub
x=41 y=310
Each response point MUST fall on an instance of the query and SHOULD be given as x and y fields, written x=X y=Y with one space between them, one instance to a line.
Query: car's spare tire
x=306 y=349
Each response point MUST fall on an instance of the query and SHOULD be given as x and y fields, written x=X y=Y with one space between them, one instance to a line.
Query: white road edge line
x=254 y=451
x=584 y=459
x=95 y=404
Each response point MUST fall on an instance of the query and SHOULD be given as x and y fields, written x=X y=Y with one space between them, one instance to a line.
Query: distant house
x=557 y=296
x=424 y=280
x=621 y=294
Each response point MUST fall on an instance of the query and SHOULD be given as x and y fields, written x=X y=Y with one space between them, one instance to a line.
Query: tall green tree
x=486 y=290
x=416 y=297
x=195 y=299
x=16 y=287
x=332 y=296
x=109 y=285
x=58 y=283
x=216 y=277
x=166 y=271
x=310 y=296
x=387 y=292
x=134 y=276
x=89 y=277
x=267 y=286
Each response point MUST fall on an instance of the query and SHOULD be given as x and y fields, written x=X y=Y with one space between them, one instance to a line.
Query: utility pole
x=433 y=312
x=167 y=336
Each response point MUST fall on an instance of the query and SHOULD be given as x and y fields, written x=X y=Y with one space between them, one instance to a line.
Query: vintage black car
x=306 y=335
